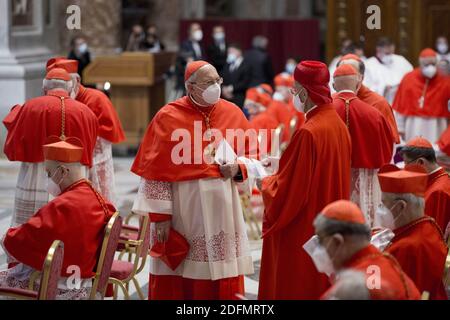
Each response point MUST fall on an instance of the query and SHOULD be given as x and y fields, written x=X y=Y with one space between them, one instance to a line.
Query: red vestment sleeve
x=437 y=206
x=295 y=175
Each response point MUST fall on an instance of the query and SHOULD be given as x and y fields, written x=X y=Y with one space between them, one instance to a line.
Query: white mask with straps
x=52 y=187
x=319 y=255
x=211 y=95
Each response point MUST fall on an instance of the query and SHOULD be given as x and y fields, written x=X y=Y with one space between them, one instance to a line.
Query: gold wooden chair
x=106 y=257
x=447 y=269
x=51 y=272
x=425 y=295
x=250 y=217
x=135 y=243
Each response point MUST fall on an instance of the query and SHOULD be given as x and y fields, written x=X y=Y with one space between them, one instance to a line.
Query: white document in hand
x=225 y=153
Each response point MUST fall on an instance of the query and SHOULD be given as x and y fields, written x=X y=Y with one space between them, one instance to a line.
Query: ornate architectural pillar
x=27 y=32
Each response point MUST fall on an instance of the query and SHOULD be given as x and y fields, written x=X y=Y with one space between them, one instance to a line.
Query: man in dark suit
x=260 y=62
x=190 y=50
x=217 y=51
x=236 y=76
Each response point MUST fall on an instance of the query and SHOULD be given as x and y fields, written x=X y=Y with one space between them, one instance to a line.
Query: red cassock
x=420 y=249
x=371 y=135
x=444 y=142
x=110 y=127
x=265 y=121
x=394 y=283
x=314 y=171
x=411 y=90
x=284 y=113
x=30 y=125
x=437 y=198
x=381 y=104
x=153 y=162
x=76 y=217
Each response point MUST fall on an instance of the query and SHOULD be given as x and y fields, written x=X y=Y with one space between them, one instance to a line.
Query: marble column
x=27 y=34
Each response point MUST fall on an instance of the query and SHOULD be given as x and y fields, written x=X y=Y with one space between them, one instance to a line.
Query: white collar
x=346 y=91
x=434 y=171
x=311 y=110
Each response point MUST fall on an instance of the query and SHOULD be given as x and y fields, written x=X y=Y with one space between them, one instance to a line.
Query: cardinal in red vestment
x=314 y=171
x=54 y=114
x=110 y=129
x=342 y=244
x=437 y=196
x=421 y=103
x=371 y=135
x=371 y=97
x=77 y=217
x=418 y=243
x=181 y=185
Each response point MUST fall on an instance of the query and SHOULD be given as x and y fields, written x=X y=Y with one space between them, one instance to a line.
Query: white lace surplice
x=366 y=191
x=31 y=193
x=102 y=172
x=208 y=213
x=427 y=127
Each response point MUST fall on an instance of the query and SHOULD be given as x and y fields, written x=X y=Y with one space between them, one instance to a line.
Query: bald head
x=348 y=82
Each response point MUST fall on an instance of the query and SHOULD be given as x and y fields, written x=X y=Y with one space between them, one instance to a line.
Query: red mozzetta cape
x=30 y=125
x=444 y=142
x=267 y=122
x=110 y=127
x=372 y=138
x=395 y=284
x=381 y=104
x=76 y=218
x=411 y=90
x=437 y=198
x=154 y=161
x=314 y=171
x=420 y=249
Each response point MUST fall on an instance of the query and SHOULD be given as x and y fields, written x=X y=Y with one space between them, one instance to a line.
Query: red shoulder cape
x=371 y=135
x=174 y=124
x=436 y=99
x=110 y=127
x=30 y=125
x=76 y=218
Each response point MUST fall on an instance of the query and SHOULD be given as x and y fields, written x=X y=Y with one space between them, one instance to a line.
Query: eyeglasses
x=218 y=81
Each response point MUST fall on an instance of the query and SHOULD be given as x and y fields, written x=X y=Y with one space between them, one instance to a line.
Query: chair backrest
x=144 y=235
x=51 y=271
x=106 y=257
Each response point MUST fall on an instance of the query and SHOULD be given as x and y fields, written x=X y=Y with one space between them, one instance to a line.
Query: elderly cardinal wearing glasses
x=184 y=188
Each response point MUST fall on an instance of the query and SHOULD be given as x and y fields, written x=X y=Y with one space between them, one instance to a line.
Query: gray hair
x=332 y=226
x=52 y=84
x=351 y=285
x=413 y=200
x=260 y=42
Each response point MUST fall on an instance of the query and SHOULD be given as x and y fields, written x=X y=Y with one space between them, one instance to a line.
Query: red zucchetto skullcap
x=350 y=56
x=428 y=53
x=419 y=142
x=345 y=211
x=193 y=67
x=314 y=77
x=71 y=66
x=284 y=80
x=345 y=70
x=413 y=179
x=67 y=151
x=58 y=74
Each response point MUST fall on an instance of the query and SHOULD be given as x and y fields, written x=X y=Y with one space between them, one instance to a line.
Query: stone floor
x=126 y=185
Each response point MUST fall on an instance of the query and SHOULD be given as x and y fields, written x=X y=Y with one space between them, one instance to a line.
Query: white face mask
x=211 y=95
x=83 y=48
x=231 y=58
x=298 y=104
x=387 y=59
x=219 y=36
x=319 y=255
x=429 y=71
x=290 y=68
x=442 y=48
x=198 y=35
x=384 y=218
x=52 y=187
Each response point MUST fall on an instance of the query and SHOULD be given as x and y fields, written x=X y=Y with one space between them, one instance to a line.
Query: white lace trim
x=153 y=197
